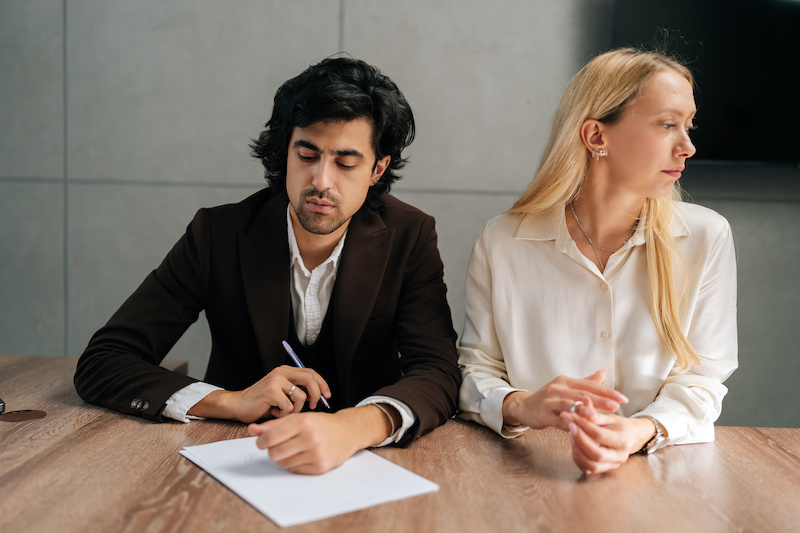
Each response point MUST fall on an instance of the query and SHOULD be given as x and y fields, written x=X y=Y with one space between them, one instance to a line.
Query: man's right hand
x=269 y=396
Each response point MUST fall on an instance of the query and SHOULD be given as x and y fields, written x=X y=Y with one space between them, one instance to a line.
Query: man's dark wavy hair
x=332 y=90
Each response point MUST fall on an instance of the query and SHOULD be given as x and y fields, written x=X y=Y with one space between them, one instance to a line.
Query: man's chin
x=319 y=224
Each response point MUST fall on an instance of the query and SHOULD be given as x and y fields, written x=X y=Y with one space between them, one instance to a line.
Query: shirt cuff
x=492 y=413
x=181 y=401
x=406 y=414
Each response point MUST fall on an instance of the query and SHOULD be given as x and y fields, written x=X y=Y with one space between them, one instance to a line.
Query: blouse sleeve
x=485 y=380
x=689 y=403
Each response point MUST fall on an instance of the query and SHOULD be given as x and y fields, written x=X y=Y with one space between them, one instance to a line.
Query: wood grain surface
x=85 y=468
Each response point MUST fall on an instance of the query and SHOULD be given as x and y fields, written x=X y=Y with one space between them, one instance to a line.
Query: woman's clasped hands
x=585 y=408
x=602 y=441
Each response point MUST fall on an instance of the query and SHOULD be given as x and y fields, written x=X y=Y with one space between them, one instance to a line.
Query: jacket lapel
x=358 y=281
x=264 y=256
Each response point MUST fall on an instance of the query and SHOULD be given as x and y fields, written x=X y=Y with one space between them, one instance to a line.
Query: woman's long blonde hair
x=602 y=90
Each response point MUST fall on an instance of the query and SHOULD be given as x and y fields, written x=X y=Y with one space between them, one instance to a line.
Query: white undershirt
x=311 y=294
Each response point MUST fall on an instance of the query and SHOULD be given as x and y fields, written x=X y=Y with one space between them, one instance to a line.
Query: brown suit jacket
x=392 y=329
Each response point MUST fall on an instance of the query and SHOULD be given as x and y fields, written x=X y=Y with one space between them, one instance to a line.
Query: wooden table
x=85 y=468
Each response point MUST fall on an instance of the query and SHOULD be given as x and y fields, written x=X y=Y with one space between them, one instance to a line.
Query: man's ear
x=592 y=134
x=380 y=167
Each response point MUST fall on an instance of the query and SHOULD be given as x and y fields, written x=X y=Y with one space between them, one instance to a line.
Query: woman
x=601 y=304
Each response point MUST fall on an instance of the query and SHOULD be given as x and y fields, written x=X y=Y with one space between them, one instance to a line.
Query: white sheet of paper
x=290 y=499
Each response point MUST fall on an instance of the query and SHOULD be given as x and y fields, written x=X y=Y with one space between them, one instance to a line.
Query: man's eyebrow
x=302 y=143
x=351 y=152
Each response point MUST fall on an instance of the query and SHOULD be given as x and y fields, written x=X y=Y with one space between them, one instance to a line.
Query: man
x=324 y=259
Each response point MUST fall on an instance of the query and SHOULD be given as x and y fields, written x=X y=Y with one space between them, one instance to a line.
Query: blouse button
x=604 y=287
x=604 y=335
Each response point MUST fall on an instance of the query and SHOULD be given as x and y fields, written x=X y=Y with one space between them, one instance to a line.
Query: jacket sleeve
x=120 y=367
x=425 y=339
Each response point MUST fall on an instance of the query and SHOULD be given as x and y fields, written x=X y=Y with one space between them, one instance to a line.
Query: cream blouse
x=537 y=308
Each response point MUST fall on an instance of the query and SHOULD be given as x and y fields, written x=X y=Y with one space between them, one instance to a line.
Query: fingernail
x=621 y=397
x=573 y=429
x=611 y=406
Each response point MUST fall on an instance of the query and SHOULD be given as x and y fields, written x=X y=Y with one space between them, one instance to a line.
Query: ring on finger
x=575 y=406
x=291 y=390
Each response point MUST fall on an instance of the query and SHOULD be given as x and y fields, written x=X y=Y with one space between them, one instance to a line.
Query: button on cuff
x=138 y=404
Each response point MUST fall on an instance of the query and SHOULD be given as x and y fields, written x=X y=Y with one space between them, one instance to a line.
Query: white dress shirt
x=537 y=308
x=311 y=293
x=311 y=290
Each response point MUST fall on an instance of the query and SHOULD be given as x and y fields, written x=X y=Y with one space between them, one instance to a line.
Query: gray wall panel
x=173 y=91
x=768 y=254
x=31 y=88
x=32 y=268
x=482 y=77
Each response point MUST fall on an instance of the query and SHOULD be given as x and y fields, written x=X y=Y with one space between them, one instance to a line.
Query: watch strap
x=657 y=439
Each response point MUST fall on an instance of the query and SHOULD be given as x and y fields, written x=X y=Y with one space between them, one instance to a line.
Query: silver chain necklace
x=596 y=247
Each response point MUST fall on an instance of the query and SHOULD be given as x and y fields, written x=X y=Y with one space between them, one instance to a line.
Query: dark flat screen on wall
x=745 y=56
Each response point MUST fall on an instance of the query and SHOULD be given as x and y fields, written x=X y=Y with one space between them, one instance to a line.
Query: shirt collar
x=679 y=226
x=552 y=226
x=548 y=226
x=294 y=250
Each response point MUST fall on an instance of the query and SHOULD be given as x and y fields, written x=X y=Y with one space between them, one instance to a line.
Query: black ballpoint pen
x=300 y=364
